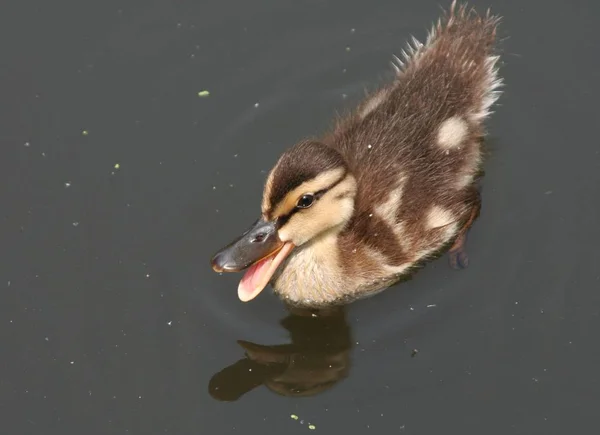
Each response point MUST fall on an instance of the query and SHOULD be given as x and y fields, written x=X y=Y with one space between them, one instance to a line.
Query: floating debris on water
x=204 y=93
x=68 y=184
x=117 y=166
x=347 y=48
x=431 y=305
x=310 y=425
x=27 y=144
x=75 y=224
x=85 y=132
x=256 y=104
x=414 y=353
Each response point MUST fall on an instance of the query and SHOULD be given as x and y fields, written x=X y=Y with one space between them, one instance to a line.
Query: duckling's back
x=414 y=146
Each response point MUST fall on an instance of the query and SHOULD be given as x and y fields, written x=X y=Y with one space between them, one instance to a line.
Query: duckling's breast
x=313 y=275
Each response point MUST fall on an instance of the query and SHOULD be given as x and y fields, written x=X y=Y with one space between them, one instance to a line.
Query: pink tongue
x=250 y=284
x=260 y=273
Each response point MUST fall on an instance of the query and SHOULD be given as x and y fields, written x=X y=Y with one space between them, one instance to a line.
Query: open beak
x=260 y=251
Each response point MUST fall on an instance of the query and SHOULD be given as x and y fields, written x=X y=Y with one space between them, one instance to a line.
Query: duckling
x=390 y=186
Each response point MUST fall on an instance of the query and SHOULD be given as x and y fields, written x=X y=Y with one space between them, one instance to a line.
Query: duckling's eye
x=305 y=201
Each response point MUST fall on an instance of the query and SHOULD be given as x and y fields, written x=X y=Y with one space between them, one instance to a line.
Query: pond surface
x=135 y=140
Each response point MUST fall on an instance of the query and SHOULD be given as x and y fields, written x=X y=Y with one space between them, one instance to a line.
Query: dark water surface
x=118 y=182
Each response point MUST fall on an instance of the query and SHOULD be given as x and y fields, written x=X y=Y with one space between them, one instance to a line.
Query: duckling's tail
x=457 y=60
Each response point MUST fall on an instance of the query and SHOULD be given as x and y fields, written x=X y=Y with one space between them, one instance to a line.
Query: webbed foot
x=457 y=256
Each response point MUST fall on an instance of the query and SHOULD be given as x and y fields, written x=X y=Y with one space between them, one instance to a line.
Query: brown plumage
x=393 y=182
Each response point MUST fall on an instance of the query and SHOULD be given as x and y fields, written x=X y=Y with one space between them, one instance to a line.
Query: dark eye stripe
x=344 y=194
x=282 y=220
x=342 y=178
x=320 y=193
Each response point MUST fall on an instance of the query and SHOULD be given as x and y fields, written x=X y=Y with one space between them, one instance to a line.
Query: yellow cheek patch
x=331 y=211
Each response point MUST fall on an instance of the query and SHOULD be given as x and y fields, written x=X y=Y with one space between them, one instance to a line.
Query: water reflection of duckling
x=393 y=184
x=316 y=360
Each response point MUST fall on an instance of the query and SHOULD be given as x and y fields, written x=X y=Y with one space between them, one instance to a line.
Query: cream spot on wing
x=397 y=270
x=447 y=233
x=468 y=172
x=439 y=217
x=463 y=181
x=380 y=260
x=388 y=210
x=452 y=132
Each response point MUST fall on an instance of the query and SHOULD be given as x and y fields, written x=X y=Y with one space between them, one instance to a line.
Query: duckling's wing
x=415 y=146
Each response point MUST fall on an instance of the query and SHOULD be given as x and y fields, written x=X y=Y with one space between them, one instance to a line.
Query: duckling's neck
x=312 y=274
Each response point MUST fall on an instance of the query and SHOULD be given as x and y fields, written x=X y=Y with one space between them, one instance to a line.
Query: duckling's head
x=308 y=194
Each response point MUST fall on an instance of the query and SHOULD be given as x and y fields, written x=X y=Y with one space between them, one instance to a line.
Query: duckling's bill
x=259 y=250
x=257 y=277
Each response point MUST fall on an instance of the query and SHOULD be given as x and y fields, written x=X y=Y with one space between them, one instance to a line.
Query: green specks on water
x=85 y=132
x=203 y=93
x=117 y=166
x=295 y=417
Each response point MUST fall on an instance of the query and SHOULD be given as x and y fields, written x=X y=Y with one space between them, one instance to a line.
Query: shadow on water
x=317 y=358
